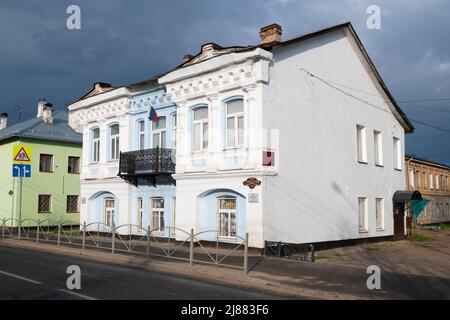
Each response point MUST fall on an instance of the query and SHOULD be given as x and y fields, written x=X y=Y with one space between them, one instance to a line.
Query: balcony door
x=159 y=133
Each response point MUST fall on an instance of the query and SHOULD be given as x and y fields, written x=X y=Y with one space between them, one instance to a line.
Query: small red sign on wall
x=268 y=158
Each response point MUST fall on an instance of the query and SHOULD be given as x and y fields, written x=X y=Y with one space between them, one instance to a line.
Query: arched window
x=159 y=132
x=95 y=145
x=235 y=123
x=200 y=129
x=226 y=207
x=114 y=142
x=141 y=134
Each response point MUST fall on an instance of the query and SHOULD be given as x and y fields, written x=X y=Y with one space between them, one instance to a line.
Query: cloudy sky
x=128 y=41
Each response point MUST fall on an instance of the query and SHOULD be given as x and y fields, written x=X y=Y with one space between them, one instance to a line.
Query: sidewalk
x=337 y=274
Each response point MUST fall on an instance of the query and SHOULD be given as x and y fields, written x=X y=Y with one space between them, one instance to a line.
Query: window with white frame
x=109 y=211
x=114 y=142
x=397 y=154
x=431 y=180
x=159 y=132
x=437 y=182
x=95 y=147
x=139 y=213
x=235 y=123
x=200 y=129
x=361 y=143
x=362 y=212
x=141 y=134
x=379 y=212
x=378 y=145
x=174 y=132
x=411 y=178
x=227 y=216
x=158 y=214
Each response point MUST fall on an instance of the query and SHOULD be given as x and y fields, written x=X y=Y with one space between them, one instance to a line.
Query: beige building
x=432 y=180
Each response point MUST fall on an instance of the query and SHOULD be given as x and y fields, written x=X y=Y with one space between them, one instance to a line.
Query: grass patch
x=418 y=238
x=319 y=257
x=444 y=226
x=374 y=248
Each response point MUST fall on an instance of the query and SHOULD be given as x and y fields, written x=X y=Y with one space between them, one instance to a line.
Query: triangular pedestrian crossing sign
x=22 y=156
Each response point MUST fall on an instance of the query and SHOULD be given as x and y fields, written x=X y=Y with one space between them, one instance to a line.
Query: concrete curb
x=265 y=282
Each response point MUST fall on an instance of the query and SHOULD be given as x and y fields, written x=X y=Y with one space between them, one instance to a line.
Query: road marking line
x=19 y=277
x=77 y=294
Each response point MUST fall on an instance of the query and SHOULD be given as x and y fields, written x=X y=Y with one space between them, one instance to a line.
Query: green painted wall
x=58 y=183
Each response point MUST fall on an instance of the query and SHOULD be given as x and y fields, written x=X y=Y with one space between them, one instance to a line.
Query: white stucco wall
x=314 y=197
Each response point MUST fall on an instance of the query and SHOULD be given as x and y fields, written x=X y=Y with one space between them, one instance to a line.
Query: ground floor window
x=379 y=211
x=362 y=212
x=158 y=214
x=44 y=203
x=72 y=204
x=109 y=211
x=227 y=216
x=139 y=213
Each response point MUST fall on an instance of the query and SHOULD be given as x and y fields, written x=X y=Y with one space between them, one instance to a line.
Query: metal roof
x=402 y=196
x=36 y=128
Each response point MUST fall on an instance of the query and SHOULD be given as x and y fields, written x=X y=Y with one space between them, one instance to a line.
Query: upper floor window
x=437 y=182
x=378 y=145
x=174 y=132
x=235 y=123
x=141 y=134
x=46 y=163
x=74 y=165
x=200 y=129
x=361 y=143
x=114 y=142
x=411 y=178
x=431 y=180
x=159 y=132
x=397 y=154
x=95 y=157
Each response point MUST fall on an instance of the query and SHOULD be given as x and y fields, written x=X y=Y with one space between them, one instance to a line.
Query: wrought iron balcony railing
x=148 y=162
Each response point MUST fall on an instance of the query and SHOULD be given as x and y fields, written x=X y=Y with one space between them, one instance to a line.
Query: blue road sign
x=21 y=170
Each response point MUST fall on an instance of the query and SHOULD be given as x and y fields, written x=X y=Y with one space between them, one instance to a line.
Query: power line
x=430 y=125
x=427 y=100
x=425 y=107
x=370 y=104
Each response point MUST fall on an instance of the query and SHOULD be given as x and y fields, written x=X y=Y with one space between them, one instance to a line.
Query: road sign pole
x=20 y=205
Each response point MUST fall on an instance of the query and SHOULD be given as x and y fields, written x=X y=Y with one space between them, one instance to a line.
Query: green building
x=52 y=194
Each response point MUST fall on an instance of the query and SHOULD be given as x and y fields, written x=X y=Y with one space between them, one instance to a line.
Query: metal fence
x=133 y=239
x=302 y=252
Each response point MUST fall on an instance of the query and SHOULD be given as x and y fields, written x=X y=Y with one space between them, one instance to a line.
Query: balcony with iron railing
x=147 y=165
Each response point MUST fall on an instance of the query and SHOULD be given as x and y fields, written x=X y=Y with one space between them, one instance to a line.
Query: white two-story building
x=296 y=141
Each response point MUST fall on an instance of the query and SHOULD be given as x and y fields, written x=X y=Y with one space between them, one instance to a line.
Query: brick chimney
x=47 y=114
x=3 y=120
x=41 y=104
x=187 y=57
x=271 y=34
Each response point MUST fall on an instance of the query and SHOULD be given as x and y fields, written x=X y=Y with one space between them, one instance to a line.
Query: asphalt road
x=30 y=275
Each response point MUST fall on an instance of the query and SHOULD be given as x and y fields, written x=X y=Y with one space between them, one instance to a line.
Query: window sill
x=73 y=212
x=363 y=231
x=362 y=162
x=44 y=212
x=398 y=169
x=227 y=238
x=379 y=165
x=380 y=229
x=46 y=171
x=74 y=173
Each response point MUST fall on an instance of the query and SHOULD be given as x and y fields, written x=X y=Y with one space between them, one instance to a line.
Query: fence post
x=84 y=235
x=246 y=254
x=147 y=251
x=18 y=232
x=191 y=248
x=37 y=232
x=59 y=234
x=113 y=241
x=313 y=258
x=3 y=228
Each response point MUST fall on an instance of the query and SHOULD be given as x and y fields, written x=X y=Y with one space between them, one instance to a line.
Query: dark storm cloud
x=127 y=41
